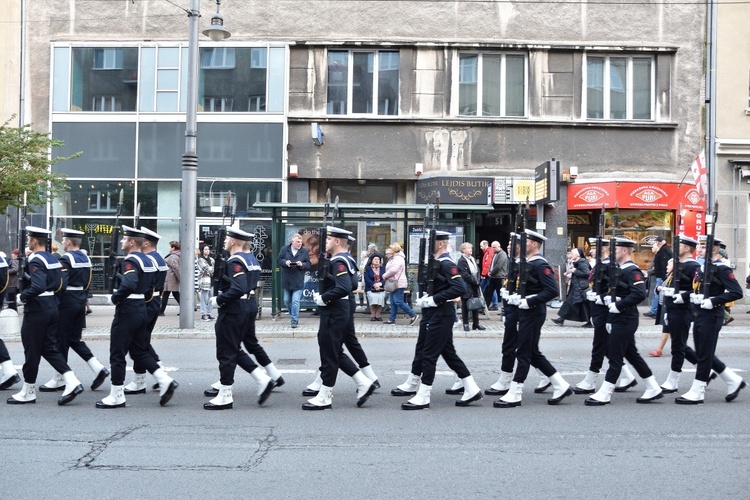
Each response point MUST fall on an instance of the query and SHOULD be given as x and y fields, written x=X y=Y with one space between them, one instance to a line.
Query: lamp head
x=217 y=32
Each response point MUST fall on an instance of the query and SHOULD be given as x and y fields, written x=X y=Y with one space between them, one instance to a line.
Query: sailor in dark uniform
x=76 y=274
x=541 y=287
x=237 y=305
x=267 y=377
x=128 y=333
x=350 y=336
x=436 y=328
x=708 y=318
x=9 y=372
x=42 y=278
x=510 y=324
x=622 y=322
x=153 y=308
x=335 y=314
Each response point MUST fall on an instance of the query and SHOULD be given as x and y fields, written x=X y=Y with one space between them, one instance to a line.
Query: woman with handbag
x=374 y=284
x=576 y=306
x=204 y=265
x=469 y=271
x=395 y=276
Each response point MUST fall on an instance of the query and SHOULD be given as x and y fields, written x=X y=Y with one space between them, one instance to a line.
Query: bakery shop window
x=643 y=227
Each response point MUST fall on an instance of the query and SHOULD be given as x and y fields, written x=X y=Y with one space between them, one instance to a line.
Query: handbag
x=475 y=304
x=390 y=285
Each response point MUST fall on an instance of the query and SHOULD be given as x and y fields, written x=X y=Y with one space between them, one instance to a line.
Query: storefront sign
x=456 y=190
x=635 y=195
x=513 y=190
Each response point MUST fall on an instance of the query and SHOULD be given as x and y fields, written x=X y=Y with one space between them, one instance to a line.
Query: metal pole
x=711 y=169
x=189 y=177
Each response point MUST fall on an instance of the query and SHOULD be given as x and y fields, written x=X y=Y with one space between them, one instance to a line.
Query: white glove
x=523 y=304
x=514 y=299
x=319 y=300
x=591 y=295
x=109 y=299
x=213 y=302
x=707 y=304
x=607 y=300
x=678 y=299
x=696 y=298
x=613 y=308
x=428 y=301
x=504 y=293
x=599 y=300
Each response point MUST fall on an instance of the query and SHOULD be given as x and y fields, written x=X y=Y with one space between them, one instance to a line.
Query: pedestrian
x=663 y=254
x=541 y=287
x=153 y=308
x=395 y=271
x=172 y=282
x=469 y=270
x=41 y=278
x=626 y=292
x=76 y=279
x=436 y=328
x=576 y=306
x=708 y=316
x=487 y=255
x=12 y=291
x=205 y=271
x=374 y=288
x=129 y=331
x=9 y=374
x=294 y=260
x=335 y=304
x=238 y=308
x=496 y=275
x=661 y=315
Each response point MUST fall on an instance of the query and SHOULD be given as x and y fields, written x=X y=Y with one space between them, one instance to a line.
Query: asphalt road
x=624 y=450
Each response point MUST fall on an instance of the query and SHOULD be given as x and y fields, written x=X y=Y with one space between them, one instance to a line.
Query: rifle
x=422 y=267
x=676 y=264
x=114 y=265
x=22 y=244
x=137 y=218
x=512 y=265
x=323 y=261
x=599 y=269
x=708 y=267
x=614 y=276
x=432 y=267
x=522 y=272
x=221 y=258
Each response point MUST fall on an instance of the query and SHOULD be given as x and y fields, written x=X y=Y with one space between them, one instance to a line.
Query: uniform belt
x=74 y=288
x=136 y=296
x=46 y=294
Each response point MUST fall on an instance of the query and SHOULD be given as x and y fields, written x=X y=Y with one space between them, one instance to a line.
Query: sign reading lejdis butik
x=635 y=195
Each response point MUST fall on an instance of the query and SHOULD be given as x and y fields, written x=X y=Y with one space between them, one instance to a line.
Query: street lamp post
x=216 y=32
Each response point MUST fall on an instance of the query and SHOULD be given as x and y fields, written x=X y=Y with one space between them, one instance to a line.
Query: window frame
x=480 y=82
x=606 y=86
x=375 y=100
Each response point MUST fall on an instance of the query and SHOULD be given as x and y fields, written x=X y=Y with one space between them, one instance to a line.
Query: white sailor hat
x=337 y=232
x=132 y=232
x=71 y=233
x=534 y=236
x=150 y=235
x=442 y=235
x=594 y=241
x=239 y=234
x=703 y=239
x=351 y=238
x=624 y=242
x=38 y=232
x=687 y=240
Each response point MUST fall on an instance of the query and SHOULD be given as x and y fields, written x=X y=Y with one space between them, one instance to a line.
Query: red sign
x=635 y=195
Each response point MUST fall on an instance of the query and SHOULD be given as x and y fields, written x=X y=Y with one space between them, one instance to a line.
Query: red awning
x=635 y=195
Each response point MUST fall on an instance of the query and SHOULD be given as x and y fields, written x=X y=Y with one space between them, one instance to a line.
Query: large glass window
x=212 y=196
x=233 y=79
x=491 y=84
x=108 y=149
x=104 y=79
x=619 y=87
x=94 y=198
x=363 y=82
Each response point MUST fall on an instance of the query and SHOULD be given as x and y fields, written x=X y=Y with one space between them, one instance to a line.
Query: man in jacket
x=294 y=260
x=487 y=255
x=663 y=254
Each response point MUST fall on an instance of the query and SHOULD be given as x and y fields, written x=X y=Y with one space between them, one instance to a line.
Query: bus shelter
x=379 y=224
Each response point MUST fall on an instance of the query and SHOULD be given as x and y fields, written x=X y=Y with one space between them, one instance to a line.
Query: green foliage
x=25 y=166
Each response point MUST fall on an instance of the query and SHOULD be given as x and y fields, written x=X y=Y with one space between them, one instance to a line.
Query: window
x=106 y=103
x=218 y=58
x=107 y=58
x=217 y=104
x=100 y=201
x=491 y=84
x=619 y=87
x=363 y=82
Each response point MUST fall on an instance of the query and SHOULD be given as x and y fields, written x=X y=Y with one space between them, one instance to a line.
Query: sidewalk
x=99 y=322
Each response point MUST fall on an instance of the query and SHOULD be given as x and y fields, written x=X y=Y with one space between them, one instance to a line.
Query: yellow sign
x=523 y=190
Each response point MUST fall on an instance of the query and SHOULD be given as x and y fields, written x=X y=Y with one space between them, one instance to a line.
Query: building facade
x=380 y=102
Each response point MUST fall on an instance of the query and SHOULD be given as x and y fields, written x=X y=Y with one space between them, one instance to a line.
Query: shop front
x=642 y=212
